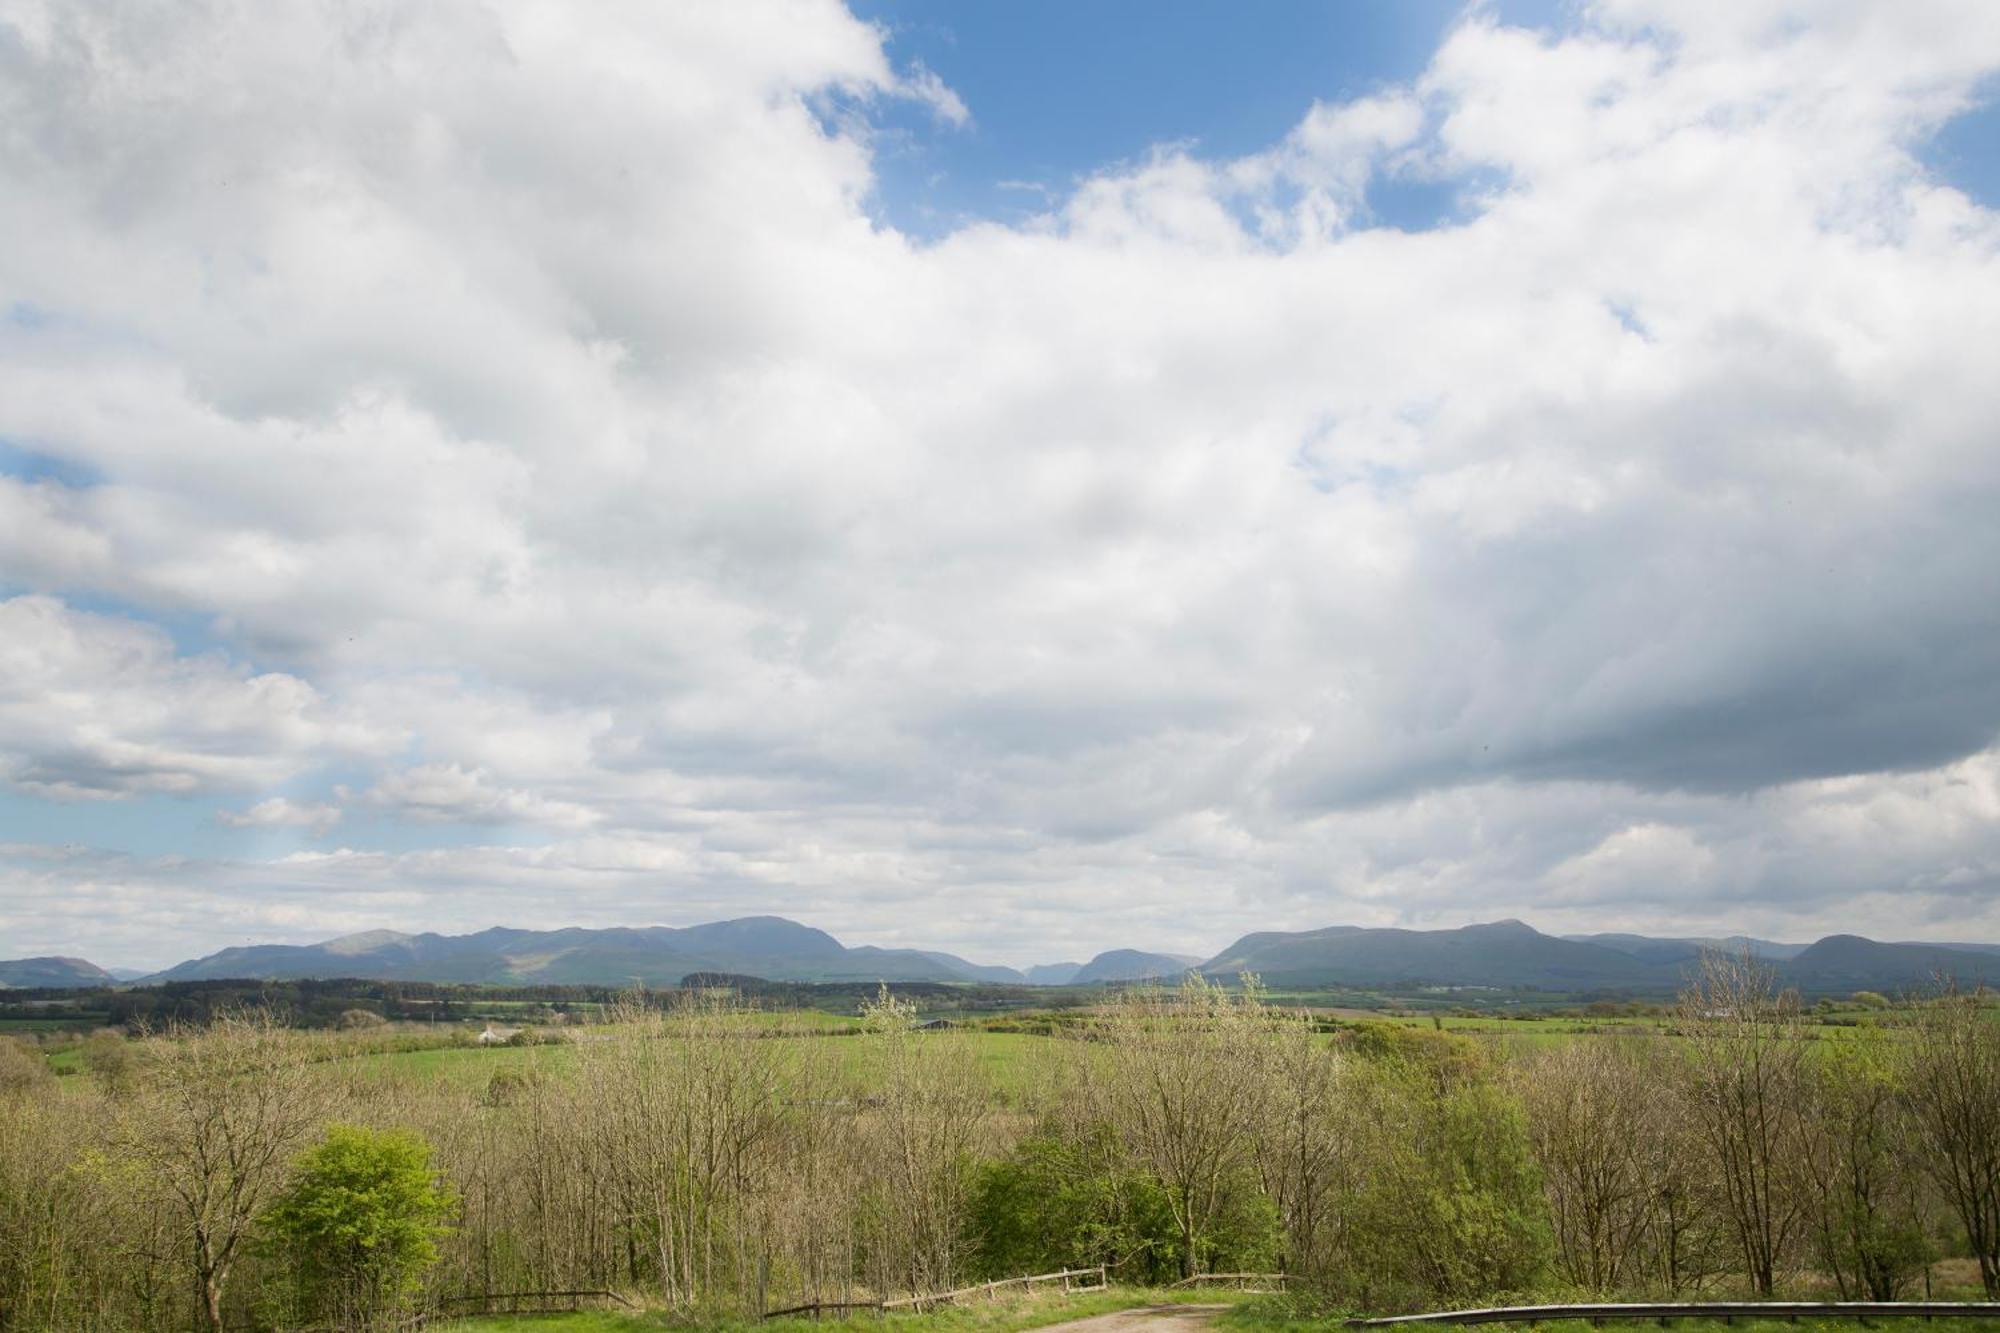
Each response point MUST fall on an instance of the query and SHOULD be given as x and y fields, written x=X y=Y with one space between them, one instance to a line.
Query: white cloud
x=101 y=707
x=925 y=86
x=281 y=812
x=526 y=400
x=447 y=793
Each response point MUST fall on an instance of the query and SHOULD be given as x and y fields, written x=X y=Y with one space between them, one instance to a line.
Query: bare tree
x=1857 y=1173
x=688 y=1102
x=1687 y=1244
x=1591 y=1116
x=222 y=1114
x=1182 y=1094
x=1952 y=1077
x=928 y=1107
x=1744 y=1083
x=1304 y=1142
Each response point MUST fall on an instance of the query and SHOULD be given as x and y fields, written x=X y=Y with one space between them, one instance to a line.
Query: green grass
x=1009 y=1315
x=1280 y=1314
x=1007 y=1058
x=1010 y=1060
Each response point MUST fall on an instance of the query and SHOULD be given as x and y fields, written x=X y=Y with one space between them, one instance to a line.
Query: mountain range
x=764 y=946
x=1496 y=955
x=1505 y=954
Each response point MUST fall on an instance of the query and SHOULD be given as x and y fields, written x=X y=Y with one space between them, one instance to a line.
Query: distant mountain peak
x=363 y=941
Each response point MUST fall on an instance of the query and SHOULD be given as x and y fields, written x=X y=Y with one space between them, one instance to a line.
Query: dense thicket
x=690 y=1156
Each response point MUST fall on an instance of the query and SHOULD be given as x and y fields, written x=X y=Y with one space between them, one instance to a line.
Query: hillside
x=1497 y=955
x=766 y=946
x=1503 y=953
x=1131 y=965
x=1648 y=949
x=1849 y=962
x=1509 y=954
x=49 y=973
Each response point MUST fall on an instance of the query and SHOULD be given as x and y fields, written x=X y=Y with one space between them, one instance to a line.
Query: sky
x=1018 y=479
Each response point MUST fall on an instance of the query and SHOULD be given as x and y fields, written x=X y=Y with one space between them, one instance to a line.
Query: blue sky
x=1059 y=90
x=1301 y=473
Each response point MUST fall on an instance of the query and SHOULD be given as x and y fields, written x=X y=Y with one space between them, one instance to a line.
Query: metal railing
x=1726 y=1311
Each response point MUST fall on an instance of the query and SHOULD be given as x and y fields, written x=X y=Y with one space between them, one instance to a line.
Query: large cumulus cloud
x=526 y=405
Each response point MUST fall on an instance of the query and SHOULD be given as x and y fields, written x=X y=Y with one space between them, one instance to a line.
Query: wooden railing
x=1726 y=1311
x=1071 y=1278
x=526 y=1302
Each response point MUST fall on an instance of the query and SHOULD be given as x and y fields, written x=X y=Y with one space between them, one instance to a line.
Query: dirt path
x=1145 y=1319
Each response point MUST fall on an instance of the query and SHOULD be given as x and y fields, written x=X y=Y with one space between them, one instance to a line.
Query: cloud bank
x=494 y=461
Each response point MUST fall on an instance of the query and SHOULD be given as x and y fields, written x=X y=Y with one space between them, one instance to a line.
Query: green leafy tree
x=1063 y=1201
x=359 y=1224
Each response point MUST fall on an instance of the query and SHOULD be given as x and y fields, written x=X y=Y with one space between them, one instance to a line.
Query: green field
x=1008 y=1055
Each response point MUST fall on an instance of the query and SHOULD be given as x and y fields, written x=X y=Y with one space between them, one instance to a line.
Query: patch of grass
x=1008 y=1058
x=1283 y=1314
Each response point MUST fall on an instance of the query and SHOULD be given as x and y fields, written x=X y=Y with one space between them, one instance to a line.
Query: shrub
x=359 y=1224
x=22 y=1068
x=111 y=1060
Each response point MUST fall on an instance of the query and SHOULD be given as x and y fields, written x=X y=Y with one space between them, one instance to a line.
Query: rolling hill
x=1131 y=965
x=1849 y=963
x=1499 y=954
x=49 y=973
x=1648 y=949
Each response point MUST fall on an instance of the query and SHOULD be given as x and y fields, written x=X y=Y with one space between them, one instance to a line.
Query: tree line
x=220 y=1175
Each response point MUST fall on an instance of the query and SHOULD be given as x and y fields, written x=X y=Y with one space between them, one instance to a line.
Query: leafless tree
x=1182 y=1092
x=1856 y=1168
x=1304 y=1142
x=222 y=1114
x=927 y=1107
x=1592 y=1113
x=1744 y=1085
x=1952 y=1077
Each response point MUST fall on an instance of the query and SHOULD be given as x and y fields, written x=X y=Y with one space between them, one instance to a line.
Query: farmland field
x=1006 y=1044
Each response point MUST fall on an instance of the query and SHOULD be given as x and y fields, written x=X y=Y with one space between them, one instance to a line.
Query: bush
x=1451 y=1206
x=111 y=1060
x=1057 y=1203
x=509 y=1086
x=359 y=1224
x=22 y=1068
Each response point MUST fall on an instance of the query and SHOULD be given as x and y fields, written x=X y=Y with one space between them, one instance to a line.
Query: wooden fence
x=1240 y=1281
x=526 y=1302
x=1072 y=1279
x=1726 y=1311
